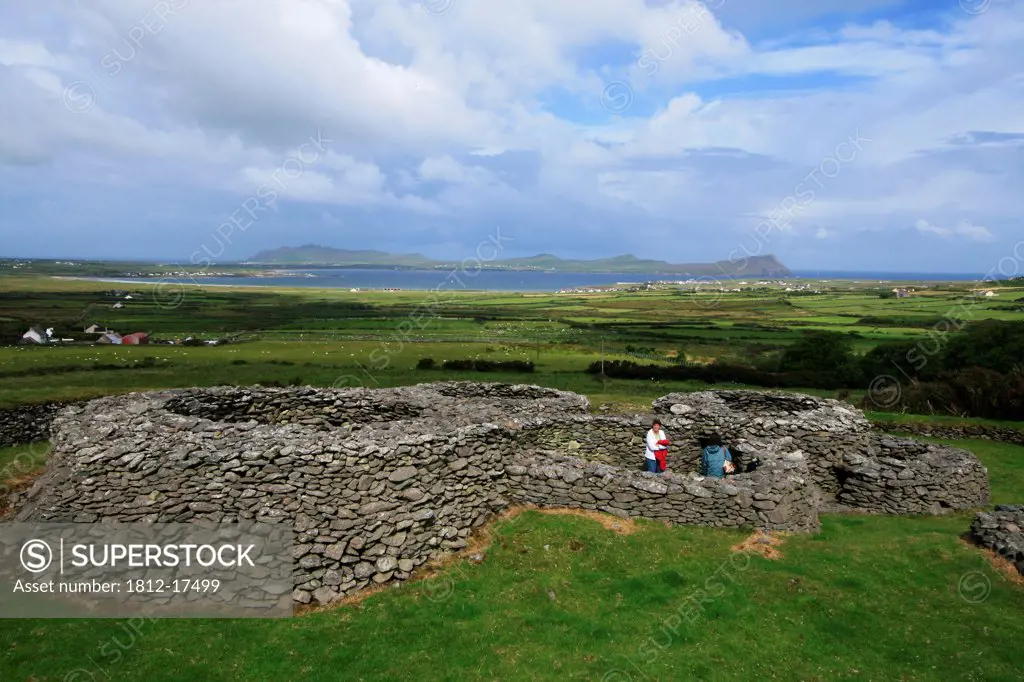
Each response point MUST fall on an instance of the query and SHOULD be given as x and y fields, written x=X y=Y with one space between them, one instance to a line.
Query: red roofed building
x=136 y=339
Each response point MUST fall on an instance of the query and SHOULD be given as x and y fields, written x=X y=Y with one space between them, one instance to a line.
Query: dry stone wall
x=777 y=496
x=378 y=482
x=953 y=431
x=27 y=423
x=760 y=425
x=1002 y=531
x=615 y=440
x=851 y=465
x=904 y=476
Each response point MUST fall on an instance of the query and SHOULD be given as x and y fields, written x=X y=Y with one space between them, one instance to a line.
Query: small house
x=34 y=335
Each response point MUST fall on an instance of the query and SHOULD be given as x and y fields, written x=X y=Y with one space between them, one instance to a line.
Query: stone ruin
x=1002 y=531
x=377 y=482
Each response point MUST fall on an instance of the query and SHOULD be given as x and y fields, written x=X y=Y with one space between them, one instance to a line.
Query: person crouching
x=715 y=458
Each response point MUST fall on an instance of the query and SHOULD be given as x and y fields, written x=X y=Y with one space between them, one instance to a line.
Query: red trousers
x=662 y=457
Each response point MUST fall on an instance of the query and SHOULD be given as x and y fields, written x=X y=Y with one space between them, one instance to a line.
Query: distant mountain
x=312 y=255
x=324 y=255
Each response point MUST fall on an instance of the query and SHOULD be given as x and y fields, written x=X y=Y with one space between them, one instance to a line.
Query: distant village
x=99 y=334
x=697 y=284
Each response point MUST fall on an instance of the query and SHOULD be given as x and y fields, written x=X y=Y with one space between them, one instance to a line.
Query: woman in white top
x=657 y=448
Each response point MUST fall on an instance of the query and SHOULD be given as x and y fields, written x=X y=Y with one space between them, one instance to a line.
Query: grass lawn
x=563 y=598
x=941 y=420
x=722 y=320
x=39 y=374
x=560 y=597
x=21 y=459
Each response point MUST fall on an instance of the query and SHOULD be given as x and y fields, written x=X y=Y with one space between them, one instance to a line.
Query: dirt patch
x=762 y=542
x=15 y=485
x=350 y=600
x=609 y=522
x=999 y=563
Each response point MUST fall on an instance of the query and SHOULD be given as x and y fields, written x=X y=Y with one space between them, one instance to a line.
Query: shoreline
x=307 y=283
x=167 y=280
x=174 y=281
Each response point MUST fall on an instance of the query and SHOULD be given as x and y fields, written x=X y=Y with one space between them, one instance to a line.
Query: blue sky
x=871 y=135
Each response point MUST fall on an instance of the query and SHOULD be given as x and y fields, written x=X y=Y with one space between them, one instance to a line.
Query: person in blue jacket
x=713 y=457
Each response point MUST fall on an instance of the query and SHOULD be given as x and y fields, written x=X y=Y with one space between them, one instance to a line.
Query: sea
x=504 y=280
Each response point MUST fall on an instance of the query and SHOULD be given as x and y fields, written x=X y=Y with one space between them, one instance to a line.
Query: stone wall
x=378 y=482
x=953 y=431
x=1002 y=531
x=618 y=441
x=442 y=405
x=365 y=512
x=904 y=476
x=776 y=497
x=763 y=425
x=851 y=466
x=27 y=423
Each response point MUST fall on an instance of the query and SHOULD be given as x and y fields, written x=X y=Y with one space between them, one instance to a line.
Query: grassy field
x=38 y=374
x=324 y=337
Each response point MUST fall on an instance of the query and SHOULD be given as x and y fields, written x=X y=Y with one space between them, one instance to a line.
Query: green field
x=556 y=597
x=375 y=338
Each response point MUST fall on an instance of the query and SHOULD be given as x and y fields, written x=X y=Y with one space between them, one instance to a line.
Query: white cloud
x=447 y=169
x=492 y=113
x=26 y=53
x=964 y=229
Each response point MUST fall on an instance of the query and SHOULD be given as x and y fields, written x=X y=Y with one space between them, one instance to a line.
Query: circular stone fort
x=377 y=482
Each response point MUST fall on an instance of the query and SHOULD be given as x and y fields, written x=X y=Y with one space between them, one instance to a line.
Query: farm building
x=136 y=339
x=34 y=335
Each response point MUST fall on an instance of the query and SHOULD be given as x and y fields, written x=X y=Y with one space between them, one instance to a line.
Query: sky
x=859 y=135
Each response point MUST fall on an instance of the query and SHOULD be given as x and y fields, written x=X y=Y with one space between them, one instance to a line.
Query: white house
x=34 y=335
